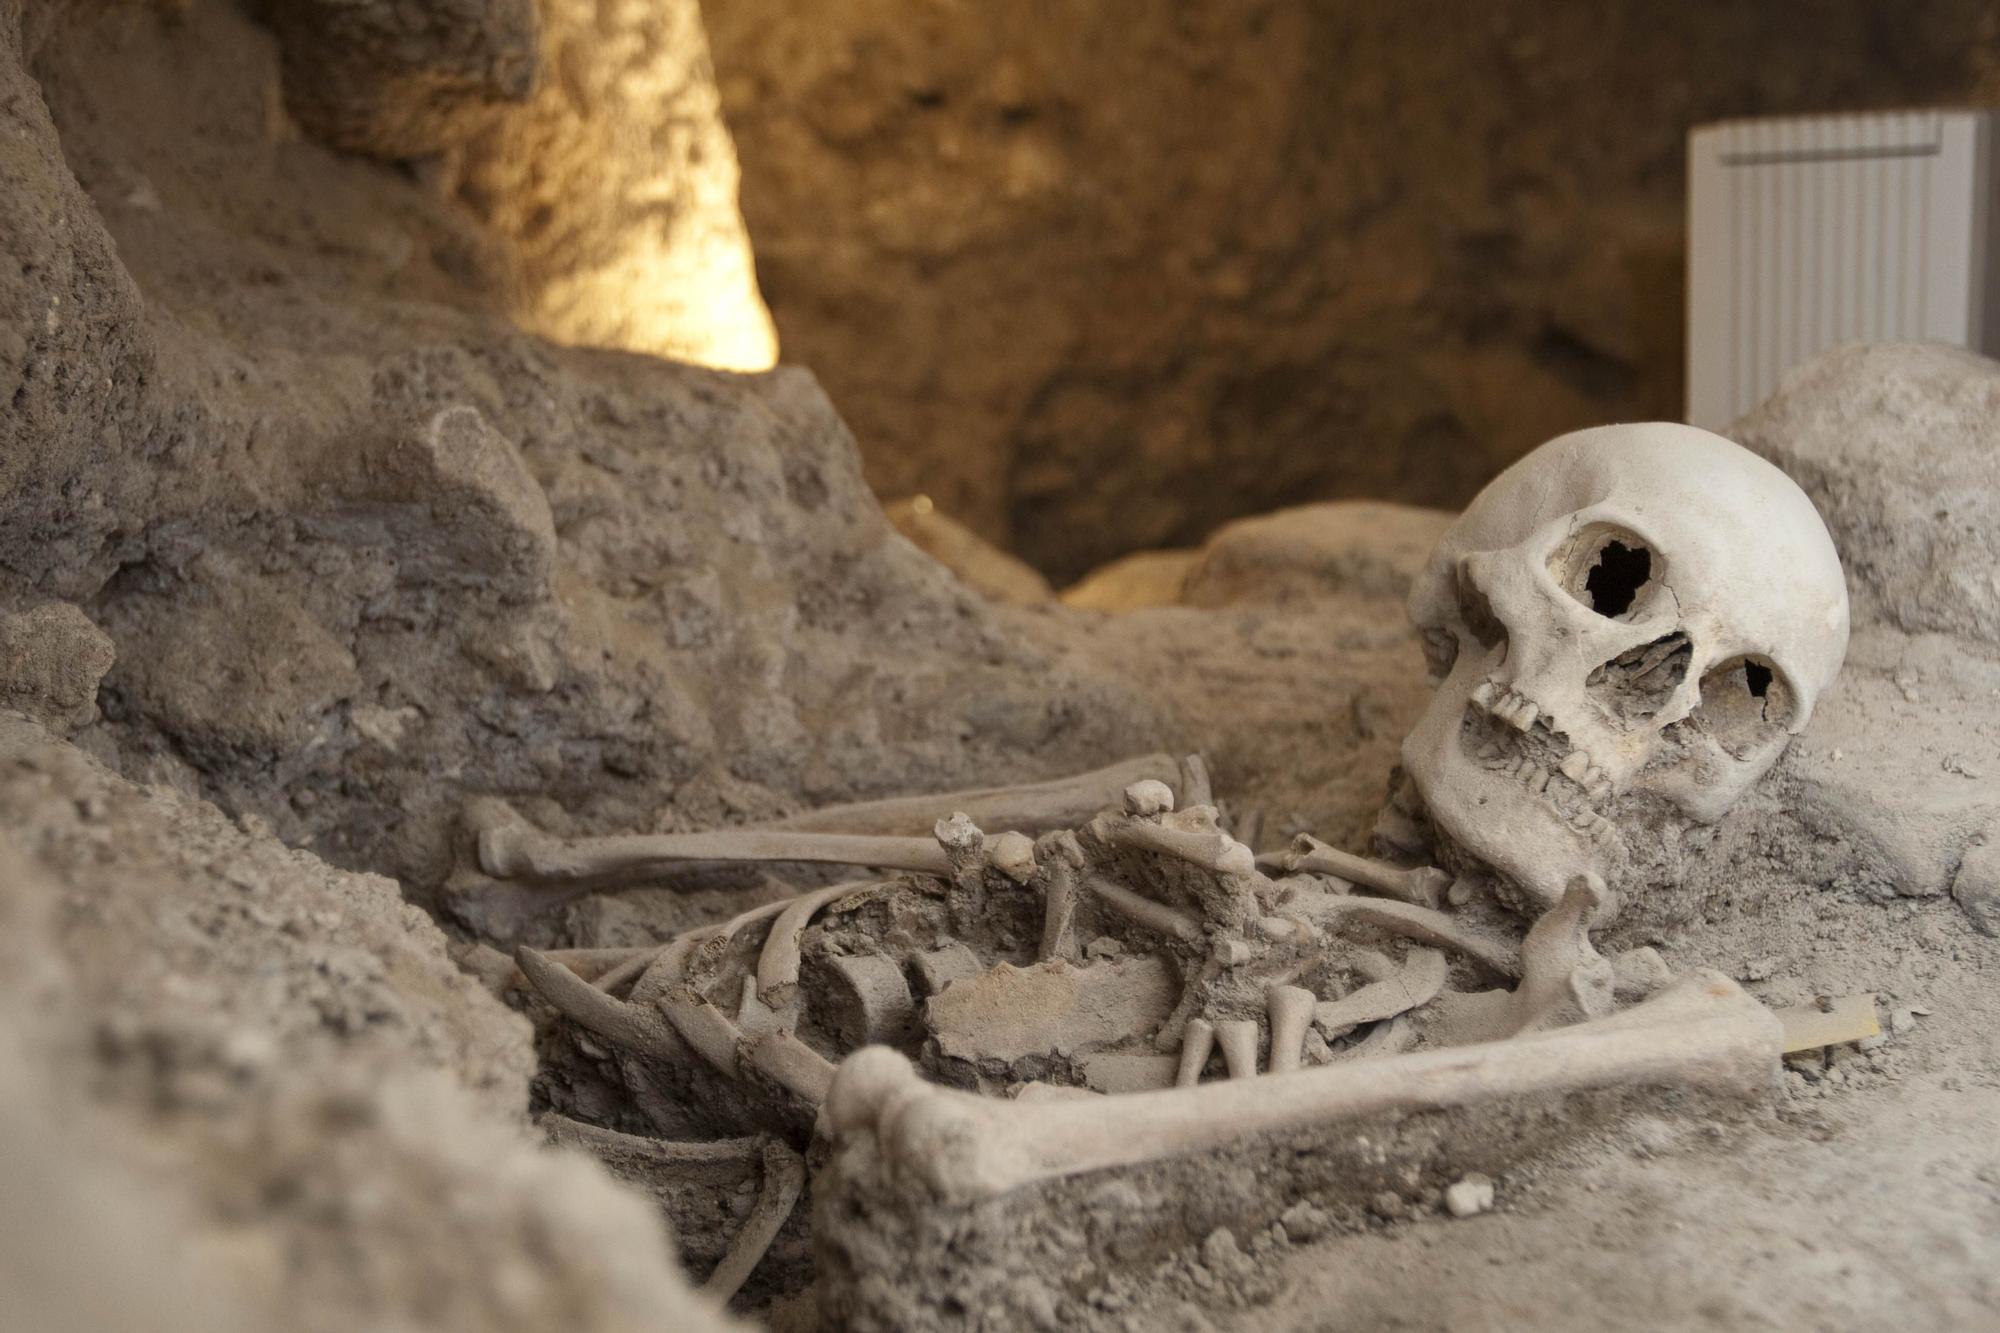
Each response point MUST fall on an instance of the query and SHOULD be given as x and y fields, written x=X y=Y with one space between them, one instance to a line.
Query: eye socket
x=1608 y=569
x=1745 y=702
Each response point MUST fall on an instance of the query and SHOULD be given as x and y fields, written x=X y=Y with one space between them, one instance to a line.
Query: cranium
x=1628 y=626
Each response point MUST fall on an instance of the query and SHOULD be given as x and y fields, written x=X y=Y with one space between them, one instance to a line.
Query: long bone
x=669 y=1025
x=1702 y=1033
x=510 y=850
x=518 y=852
x=1500 y=956
x=1423 y=886
x=1416 y=984
x=784 y=1181
x=1032 y=807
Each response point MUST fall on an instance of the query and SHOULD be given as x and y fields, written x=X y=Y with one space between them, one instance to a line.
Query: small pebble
x=1874 y=1043
x=1470 y=1196
x=1902 y=1020
x=1304 y=1222
x=1389 y=1206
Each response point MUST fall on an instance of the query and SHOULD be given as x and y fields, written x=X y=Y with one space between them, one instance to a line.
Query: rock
x=1898 y=446
x=1637 y=973
x=1976 y=885
x=399 y=80
x=1305 y=1222
x=199 y=1027
x=1902 y=1021
x=1352 y=546
x=1469 y=1196
x=51 y=659
x=1133 y=582
x=1389 y=1206
x=1085 y=336
x=979 y=564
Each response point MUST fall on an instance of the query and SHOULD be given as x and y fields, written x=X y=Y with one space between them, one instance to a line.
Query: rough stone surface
x=1357 y=547
x=233 y=1071
x=1976 y=886
x=363 y=550
x=51 y=659
x=1899 y=446
x=1368 y=253
x=613 y=189
x=401 y=79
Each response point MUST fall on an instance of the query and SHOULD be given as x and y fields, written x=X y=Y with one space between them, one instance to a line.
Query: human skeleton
x=1609 y=680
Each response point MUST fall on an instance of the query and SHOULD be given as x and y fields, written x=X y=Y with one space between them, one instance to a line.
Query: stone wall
x=1099 y=277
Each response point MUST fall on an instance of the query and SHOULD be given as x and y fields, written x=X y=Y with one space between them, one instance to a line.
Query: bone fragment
x=872 y=1001
x=1390 y=1038
x=612 y=1146
x=632 y=968
x=1148 y=798
x=784 y=1180
x=1060 y=872
x=1213 y=851
x=1290 y=1009
x=778 y=963
x=1195 y=786
x=792 y=1065
x=1238 y=1039
x=1034 y=807
x=1156 y=916
x=638 y=1028
x=1704 y=1033
x=1808 y=1027
x=1013 y=855
x=1563 y=978
x=1197 y=1040
x=1425 y=886
x=938 y=968
x=514 y=852
x=707 y=1031
x=1499 y=956
x=1417 y=984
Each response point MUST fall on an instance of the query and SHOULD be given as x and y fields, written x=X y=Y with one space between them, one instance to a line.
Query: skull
x=1627 y=626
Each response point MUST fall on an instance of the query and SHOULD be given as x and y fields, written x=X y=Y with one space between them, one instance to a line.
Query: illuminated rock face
x=1086 y=326
x=615 y=186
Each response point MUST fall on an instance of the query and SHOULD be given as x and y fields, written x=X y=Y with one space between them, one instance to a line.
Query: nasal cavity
x=1616 y=578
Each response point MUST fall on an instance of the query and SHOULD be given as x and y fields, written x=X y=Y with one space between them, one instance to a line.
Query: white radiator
x=1808 y=232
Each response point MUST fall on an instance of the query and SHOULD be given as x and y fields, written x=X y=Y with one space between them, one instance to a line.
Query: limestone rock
x=1976 y=886
x=979 y=564
x=232 y=1068
x=51 y=659
x=1133 y=582
x=1357 y=547
x=1899 y=446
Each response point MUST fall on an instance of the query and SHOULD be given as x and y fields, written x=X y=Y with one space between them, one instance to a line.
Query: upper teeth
x=1520 y=713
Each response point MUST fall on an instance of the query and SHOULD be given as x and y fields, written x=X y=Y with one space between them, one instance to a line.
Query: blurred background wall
x=1098 y=275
